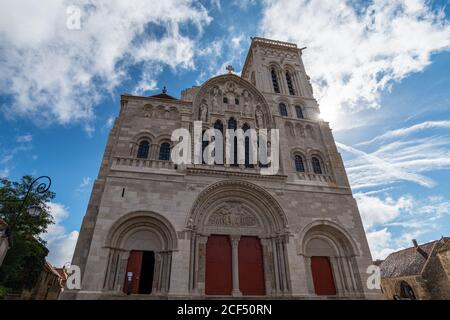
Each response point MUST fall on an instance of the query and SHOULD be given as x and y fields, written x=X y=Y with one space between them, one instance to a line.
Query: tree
x=25 y=259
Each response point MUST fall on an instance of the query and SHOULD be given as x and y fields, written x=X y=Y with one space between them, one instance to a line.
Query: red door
x=322 y=276
x=134 y=266
x=251 y=268
x=218 y=266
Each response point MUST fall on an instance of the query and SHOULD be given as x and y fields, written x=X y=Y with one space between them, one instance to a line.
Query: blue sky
x=380 y=71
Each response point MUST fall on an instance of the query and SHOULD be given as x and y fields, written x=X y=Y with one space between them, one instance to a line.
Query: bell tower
x=276 y=69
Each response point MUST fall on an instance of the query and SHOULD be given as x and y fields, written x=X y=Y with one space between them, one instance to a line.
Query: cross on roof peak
x=229 y=68
x=164 y=90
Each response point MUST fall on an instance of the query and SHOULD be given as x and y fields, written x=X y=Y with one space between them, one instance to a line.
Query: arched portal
x=248 y=224
x=329 y=254
x=140 y=254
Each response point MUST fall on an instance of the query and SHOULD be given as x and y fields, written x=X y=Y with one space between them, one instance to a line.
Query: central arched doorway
x=238 y=242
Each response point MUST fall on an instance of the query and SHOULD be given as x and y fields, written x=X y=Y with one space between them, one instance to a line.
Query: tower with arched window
x=163 y=229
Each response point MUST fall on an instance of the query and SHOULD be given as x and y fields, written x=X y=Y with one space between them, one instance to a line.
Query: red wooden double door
x=219 y=266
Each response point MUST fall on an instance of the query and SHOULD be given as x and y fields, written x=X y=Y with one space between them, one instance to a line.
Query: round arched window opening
x=406 y=292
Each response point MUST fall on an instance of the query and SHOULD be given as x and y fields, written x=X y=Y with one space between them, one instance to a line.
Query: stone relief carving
x=204 y=112
x=232 y=215
x=247 y=109
x=215 y=92
x=259 y=118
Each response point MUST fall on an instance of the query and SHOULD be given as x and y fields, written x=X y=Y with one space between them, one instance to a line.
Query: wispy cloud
x=407 y=131
x=84 y=185
x=24 y=138
x=397 y=162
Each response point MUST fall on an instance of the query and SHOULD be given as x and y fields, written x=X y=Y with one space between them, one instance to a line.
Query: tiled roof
x=406 y=262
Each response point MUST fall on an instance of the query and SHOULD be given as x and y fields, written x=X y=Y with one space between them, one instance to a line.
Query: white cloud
x=377 y=211
x=24 y=138
x=391 y=224
x=356 y=50
x=379 y=243
x=407 y=131
x=4 y=173
x=244 y=4
x=56 y=74
x=85 y=184
x=61 y=244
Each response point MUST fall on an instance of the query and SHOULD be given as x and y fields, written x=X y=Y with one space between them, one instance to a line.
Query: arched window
x=299 y=112
x=283 y=110
x=247 y=147
x=232 y=125
x=290 y=84
x=406 y=292
x=164 y=151
x=299 y=166
x=236 y=101
x=219 y=126
x=317 y=167
x=143 y=150
x=225 y=100
x=276 y=87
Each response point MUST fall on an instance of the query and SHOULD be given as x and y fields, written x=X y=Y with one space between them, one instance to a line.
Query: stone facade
x=141 y=201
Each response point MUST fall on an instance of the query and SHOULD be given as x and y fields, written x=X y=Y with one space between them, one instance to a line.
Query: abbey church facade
x=154 y=228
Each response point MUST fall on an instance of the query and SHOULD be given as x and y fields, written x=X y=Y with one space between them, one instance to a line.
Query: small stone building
x=420 y=272
x=50 y=284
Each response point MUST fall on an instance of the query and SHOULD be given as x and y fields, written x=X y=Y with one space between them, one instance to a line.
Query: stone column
x=338 y=277
x=235 y=265
x=275 y=264
x=200 y=263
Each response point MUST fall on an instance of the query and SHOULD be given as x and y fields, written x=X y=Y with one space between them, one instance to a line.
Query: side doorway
x=139 y=274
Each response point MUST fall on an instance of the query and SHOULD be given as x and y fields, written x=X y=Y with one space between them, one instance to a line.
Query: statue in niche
x=203 y=112
x=215 y=96
x=259 y=118
x=247 y=107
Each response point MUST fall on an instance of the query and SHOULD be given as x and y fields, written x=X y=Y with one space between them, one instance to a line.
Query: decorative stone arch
x=143 y=231
x=240 y=208
x=310 y=132
x=300 y=129
x=324 y=162
x=174 y=113
x=301 y=153
x=134 y=143
x=161 y=112
x=289 y=68
x=324 y=238
x=290 y=128
x=240 y=190
x=204 y=93
x=405 y=290
x=148 y=110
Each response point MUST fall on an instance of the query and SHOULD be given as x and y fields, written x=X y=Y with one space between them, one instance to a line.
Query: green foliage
x=3 y=292
x=11 y=195
x=24 y=260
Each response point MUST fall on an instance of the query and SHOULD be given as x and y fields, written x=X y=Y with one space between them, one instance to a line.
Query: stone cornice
x=226 y=173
